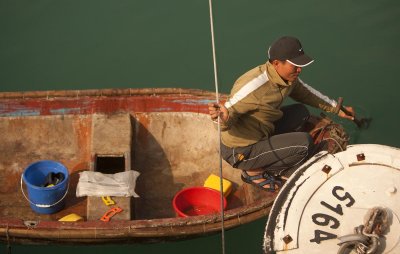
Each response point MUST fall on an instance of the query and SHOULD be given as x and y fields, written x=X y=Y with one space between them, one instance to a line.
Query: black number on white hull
x=338 y=209
x=343 y=198
x=320 y=236
x=322 y=219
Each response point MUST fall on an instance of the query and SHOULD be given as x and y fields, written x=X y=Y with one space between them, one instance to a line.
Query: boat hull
x=328 y=203
x=164 y=134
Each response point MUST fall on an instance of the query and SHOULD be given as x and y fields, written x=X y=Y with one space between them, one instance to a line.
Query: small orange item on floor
x=110 y=213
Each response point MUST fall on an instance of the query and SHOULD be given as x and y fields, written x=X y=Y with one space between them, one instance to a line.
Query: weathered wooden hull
x=165 y=134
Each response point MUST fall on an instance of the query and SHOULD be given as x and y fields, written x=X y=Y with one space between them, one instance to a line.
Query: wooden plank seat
x=111 y=153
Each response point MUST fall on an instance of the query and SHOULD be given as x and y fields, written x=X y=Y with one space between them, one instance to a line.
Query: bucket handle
x=41 y=205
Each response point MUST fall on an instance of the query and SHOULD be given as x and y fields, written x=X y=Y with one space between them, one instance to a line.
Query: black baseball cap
x=289 y=49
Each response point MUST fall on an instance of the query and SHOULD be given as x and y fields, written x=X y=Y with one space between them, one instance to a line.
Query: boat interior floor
x=154 y=144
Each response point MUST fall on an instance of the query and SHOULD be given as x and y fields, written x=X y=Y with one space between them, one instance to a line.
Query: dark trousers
x=286 y=149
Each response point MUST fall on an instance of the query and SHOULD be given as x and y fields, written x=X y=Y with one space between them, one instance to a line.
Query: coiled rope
x=219 y=127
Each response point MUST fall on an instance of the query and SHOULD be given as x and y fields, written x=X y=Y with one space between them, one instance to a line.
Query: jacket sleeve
x=308 y=95
x=236 y=110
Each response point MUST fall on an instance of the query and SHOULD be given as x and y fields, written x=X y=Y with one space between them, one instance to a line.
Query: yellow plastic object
x=71 y=217
x=108 y=201
x=213 y=182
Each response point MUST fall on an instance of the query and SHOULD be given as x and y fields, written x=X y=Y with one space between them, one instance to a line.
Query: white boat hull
x=330 y=195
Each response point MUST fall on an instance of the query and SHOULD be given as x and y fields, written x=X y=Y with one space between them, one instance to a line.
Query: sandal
x=269 y=179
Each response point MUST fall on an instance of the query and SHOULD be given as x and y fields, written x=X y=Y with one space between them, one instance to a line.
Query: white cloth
x=98 y=184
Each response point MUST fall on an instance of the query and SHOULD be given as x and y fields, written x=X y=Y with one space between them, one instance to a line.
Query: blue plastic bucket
x=45 y=200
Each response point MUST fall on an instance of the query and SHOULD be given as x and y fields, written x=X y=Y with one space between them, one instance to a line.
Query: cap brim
x=301 y=61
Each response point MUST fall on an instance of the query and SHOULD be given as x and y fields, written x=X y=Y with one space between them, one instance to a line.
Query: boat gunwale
x=142 y=223
x=154 y=230
x=105 y=92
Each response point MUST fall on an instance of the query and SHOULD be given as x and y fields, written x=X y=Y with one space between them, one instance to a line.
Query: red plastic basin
x=197 y=201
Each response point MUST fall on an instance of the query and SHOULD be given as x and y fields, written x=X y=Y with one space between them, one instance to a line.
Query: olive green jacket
x=255 y=101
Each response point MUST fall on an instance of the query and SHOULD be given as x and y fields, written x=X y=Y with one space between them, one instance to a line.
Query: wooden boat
x=165 y=134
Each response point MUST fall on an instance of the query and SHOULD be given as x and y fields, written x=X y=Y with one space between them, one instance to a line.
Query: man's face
x=286 y=70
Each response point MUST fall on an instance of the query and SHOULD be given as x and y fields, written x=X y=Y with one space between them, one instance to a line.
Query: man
x=259 y=136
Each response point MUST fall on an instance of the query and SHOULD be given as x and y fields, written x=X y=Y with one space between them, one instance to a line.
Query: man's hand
x=216 y=110
x=347 y=112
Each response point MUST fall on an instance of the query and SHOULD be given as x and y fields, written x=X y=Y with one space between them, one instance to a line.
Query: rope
x=366 y=238
x=219 y=128
x=8 y=241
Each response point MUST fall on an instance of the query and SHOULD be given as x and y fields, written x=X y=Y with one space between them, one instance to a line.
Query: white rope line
x=275 y=150
x=219 y=128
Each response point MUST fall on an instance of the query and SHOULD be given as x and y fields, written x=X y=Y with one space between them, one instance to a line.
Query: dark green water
x=51 y=45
